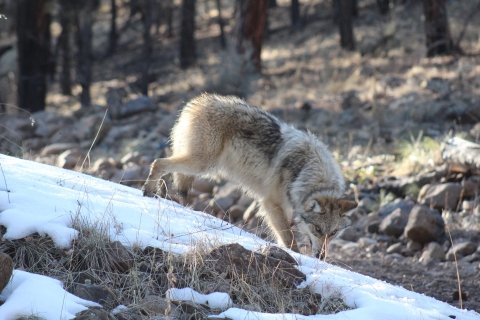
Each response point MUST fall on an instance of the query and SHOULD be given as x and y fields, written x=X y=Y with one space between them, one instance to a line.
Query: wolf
x=291 y=173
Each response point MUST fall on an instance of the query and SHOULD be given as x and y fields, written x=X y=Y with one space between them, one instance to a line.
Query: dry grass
x=130 y=274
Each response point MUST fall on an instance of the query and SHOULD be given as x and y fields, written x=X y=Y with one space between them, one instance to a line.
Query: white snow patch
x=215 y=300
x=32 y=294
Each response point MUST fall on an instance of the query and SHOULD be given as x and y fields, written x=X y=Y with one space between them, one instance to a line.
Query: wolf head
x=322 y=219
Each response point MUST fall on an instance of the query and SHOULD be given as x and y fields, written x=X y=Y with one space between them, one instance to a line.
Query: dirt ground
x=438 y=280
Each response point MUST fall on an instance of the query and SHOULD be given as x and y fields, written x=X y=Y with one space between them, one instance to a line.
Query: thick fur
x=290 y=172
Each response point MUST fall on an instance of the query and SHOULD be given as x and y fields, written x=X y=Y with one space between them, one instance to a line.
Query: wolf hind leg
x=183 y=183
x=162 y=166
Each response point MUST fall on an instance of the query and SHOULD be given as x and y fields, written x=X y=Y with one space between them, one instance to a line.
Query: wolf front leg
x=153 y=181
x=278 y=221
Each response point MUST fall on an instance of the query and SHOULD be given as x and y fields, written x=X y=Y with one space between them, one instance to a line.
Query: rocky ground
x=385 y=111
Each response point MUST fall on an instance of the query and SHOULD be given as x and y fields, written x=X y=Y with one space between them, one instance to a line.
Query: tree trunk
x=295 y=14
x=354 y=8
x=251 y=28
x=437 y=31
x=223 y=42
x=84 y=21
x=187 y=37
x=33 y=40
x=344 y=14
x=383 y=6
x=113 y=28
x=169 y=13
x=65 y=77
x=147 y=10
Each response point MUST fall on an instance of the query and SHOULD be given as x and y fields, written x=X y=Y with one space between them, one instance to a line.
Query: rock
x=48 y=123
x=21 y=126
x=394 y=224
x=63 y=135
x=250 y=212
x=351 y=247
x=134 y=106
x=395 y=248
x=236 y=212
x=471 y=258
x=221 y=204
x=365 y=242
x=394 y=256
x=190 y=307
x=34 y=144
x=470 y=187
x=95 y=293
x=131 y=157
x=119 y=133
x=352 y=234
x=414 y=245
x=441 y=196
x=57 y=148
x=244 y=201
x=337 y=244
x=203 y=185
x=153 y=305
x=105 y=164
x=201 y=205
x=234 y=260
x=366 y=205
x=6 y=270
x=129 y=314
x=92 y=127
x=278 y=253
x=468 y=206
x=424 y=225
x=229 y=189
x=71 y=158
x=372 y=222
x=165 y=124
x=464 y=248
x=120 y=258
x=403 y=205
x=130 y=175
x=94 y=314
x=432 y=251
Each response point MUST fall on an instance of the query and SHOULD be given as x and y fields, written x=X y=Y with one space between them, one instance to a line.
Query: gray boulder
x=132 y=107
x=6 y=270
x=441 y=196
x=461 y=249
x=403 y=205
x=431 y=252
x=395 y=223
x=424 y=225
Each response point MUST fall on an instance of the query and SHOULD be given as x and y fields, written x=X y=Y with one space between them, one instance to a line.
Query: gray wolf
x=292 y=174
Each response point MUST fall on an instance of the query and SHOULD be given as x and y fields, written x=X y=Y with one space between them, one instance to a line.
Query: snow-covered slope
x=44 y=199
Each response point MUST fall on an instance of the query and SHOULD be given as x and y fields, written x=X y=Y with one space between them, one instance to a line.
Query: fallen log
x=462 y=156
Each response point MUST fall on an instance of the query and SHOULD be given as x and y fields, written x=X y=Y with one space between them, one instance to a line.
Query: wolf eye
x=319 y=230
x=333 y=233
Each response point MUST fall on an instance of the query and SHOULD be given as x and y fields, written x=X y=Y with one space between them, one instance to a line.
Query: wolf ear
x=347 y=205
x=315 y=206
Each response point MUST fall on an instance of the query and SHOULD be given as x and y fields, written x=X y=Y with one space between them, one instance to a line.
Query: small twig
x=95 y=139
x=8 y=191
x=456 y=266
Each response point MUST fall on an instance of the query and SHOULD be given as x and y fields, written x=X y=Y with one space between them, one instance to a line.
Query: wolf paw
x=147 y=192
